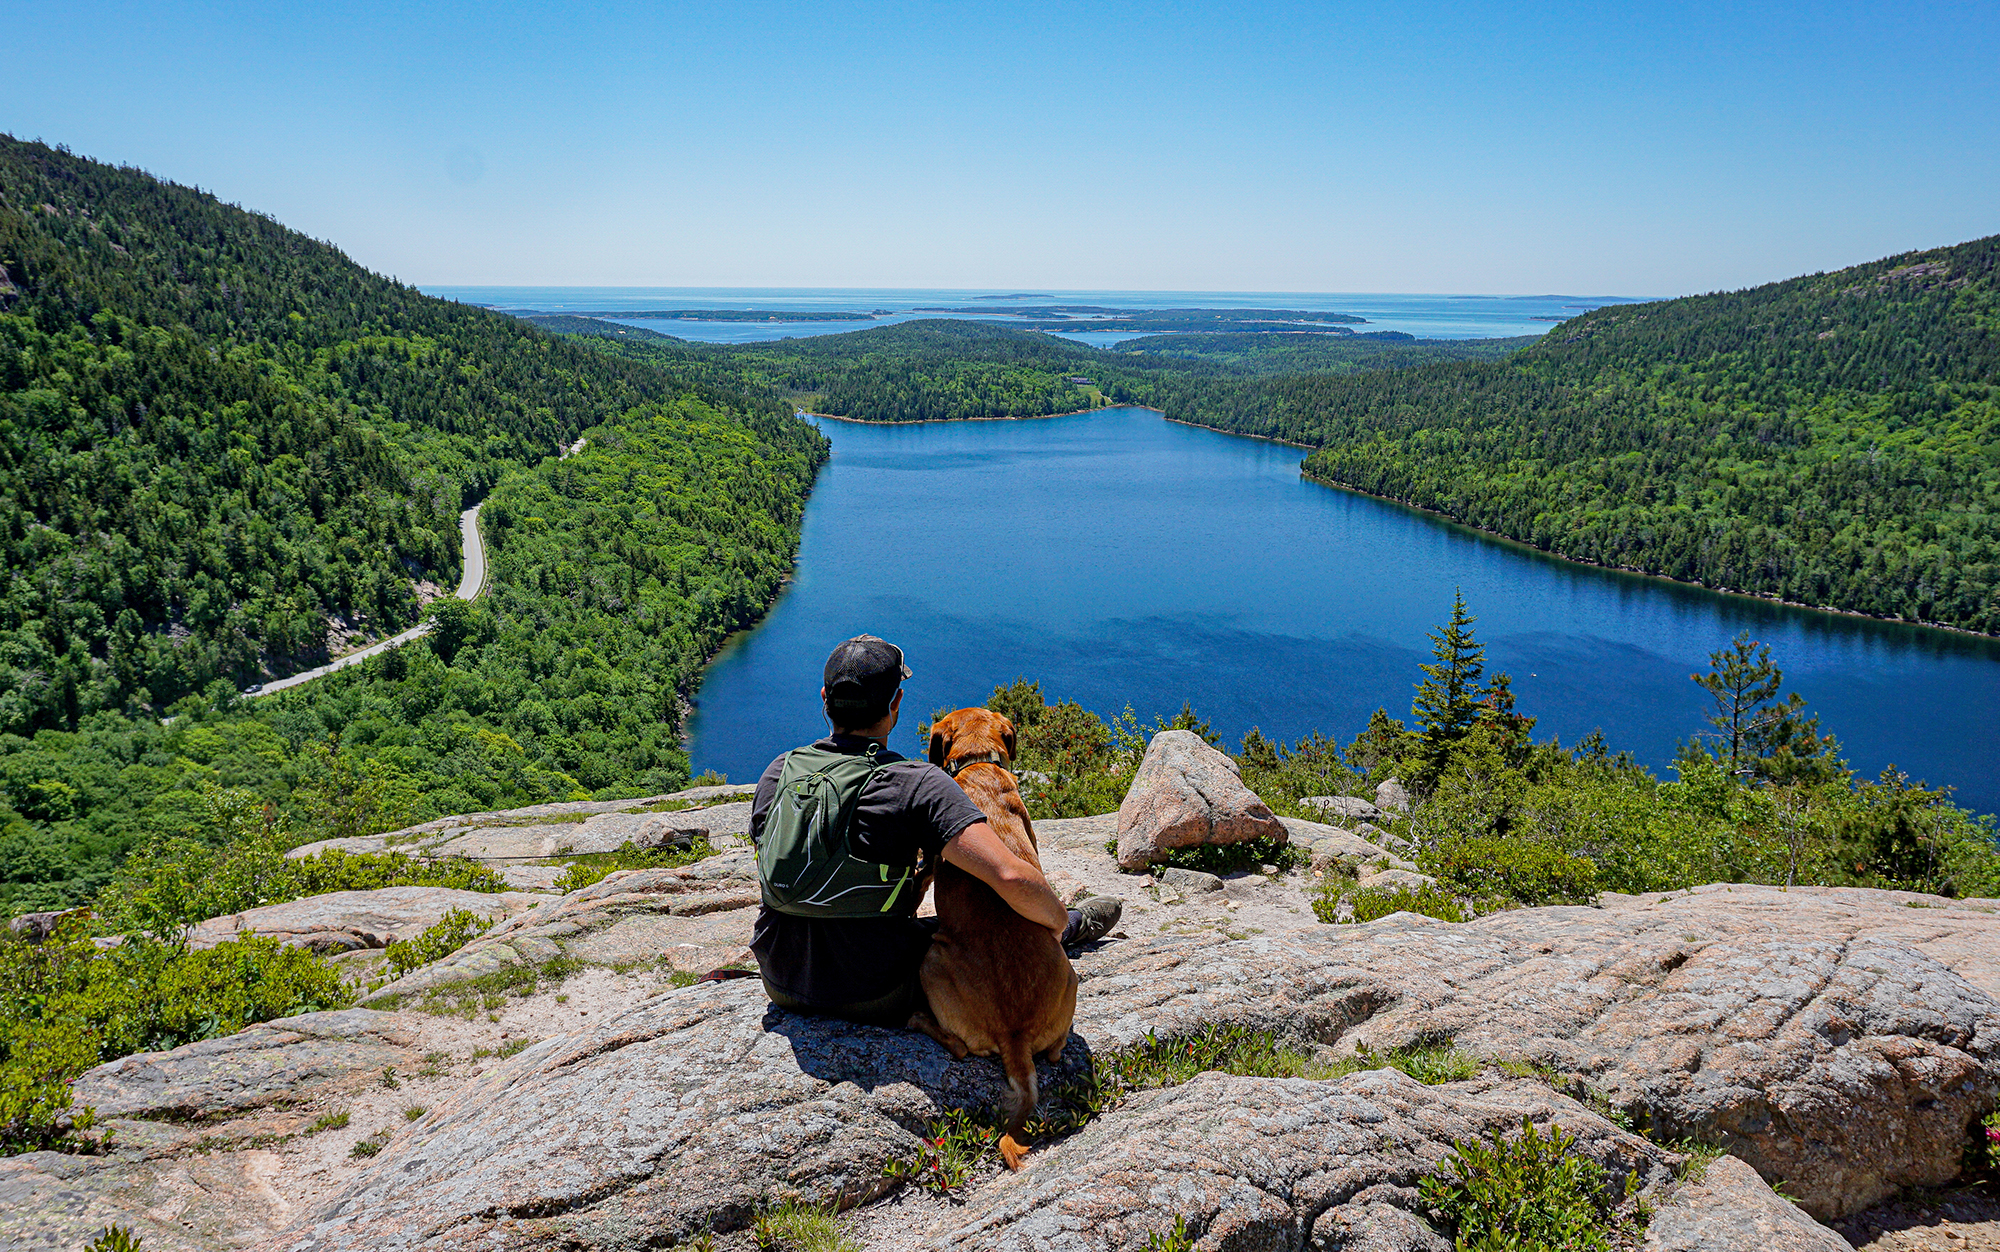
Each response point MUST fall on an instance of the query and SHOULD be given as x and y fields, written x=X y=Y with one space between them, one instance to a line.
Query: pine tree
x=1756 y=733
x=1448 y=699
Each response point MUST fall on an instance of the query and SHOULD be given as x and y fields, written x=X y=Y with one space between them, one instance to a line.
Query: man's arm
x=979 y=852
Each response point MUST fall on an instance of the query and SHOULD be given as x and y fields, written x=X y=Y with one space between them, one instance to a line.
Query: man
x=864 y=967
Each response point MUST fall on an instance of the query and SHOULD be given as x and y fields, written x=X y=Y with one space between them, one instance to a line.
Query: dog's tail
x=1019 y=1061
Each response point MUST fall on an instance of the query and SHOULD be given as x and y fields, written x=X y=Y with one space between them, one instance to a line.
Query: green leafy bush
x=1374 y=903
x=944 y=1159
x=1231 y=858
x=66 y=1005
x=1528 y=1192
x=114 y=1239
x=594 y=867
x=447 y=935
x=1511 y=869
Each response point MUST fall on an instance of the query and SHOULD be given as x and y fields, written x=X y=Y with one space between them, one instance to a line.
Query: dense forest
x=942 y=369
x=218 y=436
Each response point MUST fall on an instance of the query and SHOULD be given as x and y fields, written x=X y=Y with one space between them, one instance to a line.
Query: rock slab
x=1186 y=794
x=348 y=921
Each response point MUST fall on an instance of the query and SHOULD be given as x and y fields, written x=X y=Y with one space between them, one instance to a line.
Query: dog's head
x=970 y=732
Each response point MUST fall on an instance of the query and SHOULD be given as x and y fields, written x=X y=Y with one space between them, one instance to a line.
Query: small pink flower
x=1992 y=1135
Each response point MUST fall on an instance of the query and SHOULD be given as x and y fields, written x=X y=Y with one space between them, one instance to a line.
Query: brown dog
x=997 y=982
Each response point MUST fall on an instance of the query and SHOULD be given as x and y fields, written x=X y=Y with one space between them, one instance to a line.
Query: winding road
x=470 y=587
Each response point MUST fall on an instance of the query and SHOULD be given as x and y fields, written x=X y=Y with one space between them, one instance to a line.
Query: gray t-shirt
x=908 y=809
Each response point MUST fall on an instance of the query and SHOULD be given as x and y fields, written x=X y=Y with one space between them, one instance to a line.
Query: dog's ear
x=940 y=739
x=1007 y=736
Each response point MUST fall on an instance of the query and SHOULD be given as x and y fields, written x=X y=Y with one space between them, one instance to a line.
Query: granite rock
x=1349 y=808
x=1391 y=796
x=1187 y=881
x=347 y=921
x=1731 y=1207
x=1186 y=794
x=290 y=1059
x=697 y=916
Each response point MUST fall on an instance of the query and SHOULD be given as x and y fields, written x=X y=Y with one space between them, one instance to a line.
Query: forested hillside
x=946 y=369
x=217 y=435
x=1832 y=440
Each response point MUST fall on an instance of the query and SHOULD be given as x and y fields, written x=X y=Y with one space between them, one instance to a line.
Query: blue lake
x=1123 y=559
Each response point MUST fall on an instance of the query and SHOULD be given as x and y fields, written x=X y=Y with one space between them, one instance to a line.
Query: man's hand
x=979 y=852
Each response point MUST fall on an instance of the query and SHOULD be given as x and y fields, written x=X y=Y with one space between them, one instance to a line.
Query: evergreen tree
x=1756 y=733
x=1448 y=699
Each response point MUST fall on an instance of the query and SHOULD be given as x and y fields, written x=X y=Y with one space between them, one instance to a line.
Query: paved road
x=469 y=588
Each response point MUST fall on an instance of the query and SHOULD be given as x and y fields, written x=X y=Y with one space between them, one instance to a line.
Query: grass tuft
x=329 y=1121
x=797 y=1227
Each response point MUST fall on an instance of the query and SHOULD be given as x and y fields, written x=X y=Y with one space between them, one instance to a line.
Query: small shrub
x=944 y=1160
x=683 y=978
x=1530 y=1191
x=1374 y=903
x=450 y=933
x=594 y=867
x=1699 y=1156
x=797 y=1227
x=414 y=1112
x=1175 y=1239
x=329 y=1121
x=1231 y=858
x=365 y=1147
x=1512 y=869
x=389 y=1079
x=511 y=1047
x=114 y=1239
x=66 y=1005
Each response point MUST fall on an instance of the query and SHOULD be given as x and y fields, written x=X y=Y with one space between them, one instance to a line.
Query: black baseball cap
x=861 y=678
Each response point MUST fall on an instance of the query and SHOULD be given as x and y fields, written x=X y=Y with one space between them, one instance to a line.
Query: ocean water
x=1123 y=559
x=1425 y=316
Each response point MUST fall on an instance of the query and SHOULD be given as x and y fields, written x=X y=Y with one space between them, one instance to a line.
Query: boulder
x=1351 y=808
x=1187 y=794
x=37 y=927
x=346 y=921
x=1391 y=797
x=1729 y=1206
x=1331 y=846
x=287 y=1060
x=1188 y=881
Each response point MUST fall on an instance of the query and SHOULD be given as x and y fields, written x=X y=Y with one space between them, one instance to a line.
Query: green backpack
x=802 y=856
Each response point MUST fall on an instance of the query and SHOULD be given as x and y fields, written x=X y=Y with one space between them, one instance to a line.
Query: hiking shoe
x=1092 y=919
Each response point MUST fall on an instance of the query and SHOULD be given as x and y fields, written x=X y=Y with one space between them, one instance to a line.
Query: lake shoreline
x=1626 y=569
x=1021 y=417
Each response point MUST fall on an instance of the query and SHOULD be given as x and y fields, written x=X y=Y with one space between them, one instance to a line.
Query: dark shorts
x=891 y=1009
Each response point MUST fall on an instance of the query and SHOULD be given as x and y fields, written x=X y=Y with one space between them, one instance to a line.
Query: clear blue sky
x=1591 y=149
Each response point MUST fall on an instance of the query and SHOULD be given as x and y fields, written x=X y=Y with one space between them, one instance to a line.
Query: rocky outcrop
x=552 y=830
x=1839 y=1041
x=1346 y=808
x=291 y=1059
x=1392 y=797
x=1332 y=847
x=1812 y=1035
x=698 y=917
x=1186 y=794
x=347 y=921
x=1262 y=1163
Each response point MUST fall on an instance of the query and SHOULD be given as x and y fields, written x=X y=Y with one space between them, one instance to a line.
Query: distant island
x=1016 y=296
x=1161 y=321
x=706 y=315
